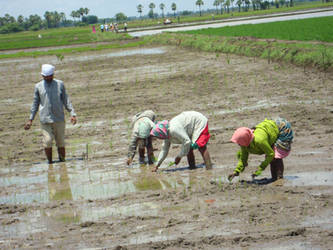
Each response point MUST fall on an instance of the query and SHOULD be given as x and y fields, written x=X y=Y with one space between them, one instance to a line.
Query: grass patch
x=300 y=54
x=311 y=29
x=57 y=37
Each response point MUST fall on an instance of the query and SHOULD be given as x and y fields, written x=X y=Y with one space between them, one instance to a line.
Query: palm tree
x=174 y=7
x=86 y=11
x=152 y=7
x=216 y=4
x=232 y=4
x=162 y=6
x=73 y=14
x=199 y=3
x=81 y=11
x=62 y=17
x=48 y=17
x=221 y=2
x=227 y=4
x=139 y=8
x=239 y=3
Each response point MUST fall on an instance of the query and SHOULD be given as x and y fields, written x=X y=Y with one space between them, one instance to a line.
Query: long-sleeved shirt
x=184 y=129
x=50 y=98
x=148 y=117
x=265 y=135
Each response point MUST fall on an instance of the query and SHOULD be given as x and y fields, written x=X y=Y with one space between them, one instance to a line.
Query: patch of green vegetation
x=301 y=54
x=68 y=218
x=311 y=29
x=148 y=183
x=57 y=37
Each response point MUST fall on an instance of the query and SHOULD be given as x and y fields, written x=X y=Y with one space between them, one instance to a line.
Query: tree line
x=223 y=6
x=52 y=19
x=80 y=17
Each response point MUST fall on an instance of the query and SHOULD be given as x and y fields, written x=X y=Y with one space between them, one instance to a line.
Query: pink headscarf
x=243 y=136
x=160 y=130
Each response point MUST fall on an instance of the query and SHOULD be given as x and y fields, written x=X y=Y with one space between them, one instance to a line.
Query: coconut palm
x=152 y=7
x=221 y=3
x=174 y=7
x=216 y=4
x=239 y=3
x=48 y=18
x=62 y=17
x=162 y=6
x=227 y=5
x=199 y=3
x=139 y=8
x=73 y=14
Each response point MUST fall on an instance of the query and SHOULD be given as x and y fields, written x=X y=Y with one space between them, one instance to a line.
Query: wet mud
x=93 y=200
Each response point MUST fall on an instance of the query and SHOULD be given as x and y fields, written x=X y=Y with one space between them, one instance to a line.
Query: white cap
x=47 y=70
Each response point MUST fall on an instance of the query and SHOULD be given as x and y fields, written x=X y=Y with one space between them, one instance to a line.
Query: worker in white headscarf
x=142 y=123
x=50 y=98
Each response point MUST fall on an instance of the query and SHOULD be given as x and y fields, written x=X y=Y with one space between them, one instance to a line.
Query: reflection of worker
x=190 y=129
x=142 y=123
x=50 y=96
x=272 y=138
x=59 y=189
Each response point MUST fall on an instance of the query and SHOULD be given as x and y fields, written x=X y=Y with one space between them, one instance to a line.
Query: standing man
x=50 y=95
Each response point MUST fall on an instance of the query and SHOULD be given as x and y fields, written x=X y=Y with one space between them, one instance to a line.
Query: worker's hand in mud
x=231 y=176
x=177 y=160
x=129 y=161
x=154 y=169
x=28 y=125
x=256 y=173
x=73 y=120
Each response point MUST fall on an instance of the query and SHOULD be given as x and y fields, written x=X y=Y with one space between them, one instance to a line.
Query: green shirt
x=265 y=135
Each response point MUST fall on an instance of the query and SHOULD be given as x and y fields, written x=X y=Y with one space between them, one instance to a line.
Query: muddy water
x=81 y=180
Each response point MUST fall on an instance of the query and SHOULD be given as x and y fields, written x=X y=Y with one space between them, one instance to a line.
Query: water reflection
x=84 y=180
x=58 y=183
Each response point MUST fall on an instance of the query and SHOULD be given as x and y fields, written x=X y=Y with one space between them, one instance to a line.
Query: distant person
x=116 y=27
x=50 y=97
x=102 y=27
x=106 y=27
x=125 y=27
x=112 y=27
x=142 y=123
x=190 y=129
x=93 y=29
x=270 y=137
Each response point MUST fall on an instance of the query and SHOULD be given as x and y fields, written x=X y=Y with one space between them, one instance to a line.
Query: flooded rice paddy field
x=94 y=200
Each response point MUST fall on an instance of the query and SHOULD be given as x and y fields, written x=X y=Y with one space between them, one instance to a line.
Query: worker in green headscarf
x=142 y=123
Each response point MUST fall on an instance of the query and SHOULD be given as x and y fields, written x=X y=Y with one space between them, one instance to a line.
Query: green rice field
x=312 y=29
x=56 y=37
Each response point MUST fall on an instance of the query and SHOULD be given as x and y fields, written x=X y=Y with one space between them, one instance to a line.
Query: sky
x=100 y=8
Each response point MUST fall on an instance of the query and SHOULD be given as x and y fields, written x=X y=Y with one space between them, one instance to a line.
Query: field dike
x=319 y=56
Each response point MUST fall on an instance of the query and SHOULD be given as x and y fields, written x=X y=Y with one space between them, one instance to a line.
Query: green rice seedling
x=228 y=58
x=220 y=183
x=88 y=151
x=60 y=57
